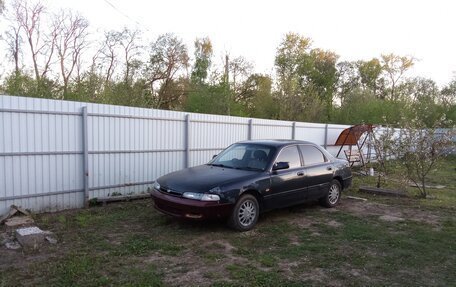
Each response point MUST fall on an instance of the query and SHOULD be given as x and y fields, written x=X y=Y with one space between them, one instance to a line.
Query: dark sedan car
x=250 y=177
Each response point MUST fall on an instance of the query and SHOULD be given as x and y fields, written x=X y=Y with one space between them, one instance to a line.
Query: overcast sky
x=353 y=29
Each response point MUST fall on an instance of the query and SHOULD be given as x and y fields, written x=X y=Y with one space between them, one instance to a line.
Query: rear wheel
x=332 y=197
x=245 y=213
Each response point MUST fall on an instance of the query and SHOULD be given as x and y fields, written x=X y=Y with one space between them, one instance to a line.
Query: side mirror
x=214 y=156
x=280 y=165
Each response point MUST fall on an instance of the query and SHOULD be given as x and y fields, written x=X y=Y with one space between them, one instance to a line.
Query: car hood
x=202 y=178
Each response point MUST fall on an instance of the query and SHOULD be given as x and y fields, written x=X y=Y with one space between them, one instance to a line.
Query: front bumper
x=190 y=208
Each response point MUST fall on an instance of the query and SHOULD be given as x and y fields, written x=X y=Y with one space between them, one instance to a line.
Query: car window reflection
x=244 y=156
x=290 y=155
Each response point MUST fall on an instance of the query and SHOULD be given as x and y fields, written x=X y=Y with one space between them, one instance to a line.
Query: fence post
x=85 y=156
x=249 y=135
x=326 y=136
x=187 y=141
x=293 y=131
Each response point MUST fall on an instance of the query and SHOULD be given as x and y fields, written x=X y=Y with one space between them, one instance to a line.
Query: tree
x=322 y=76
x=207 y=99
x=291 y=55
x=25 y=85
x=41 y=45
x=237 y=72
x=18 y=83
x=121 y=64
x=14 y=42
x=306 y=80
x=362 y=106
x=89 y=87
x=385 y=145
x=108 y=54
x=257 y=99
x=239 y=69
x=167 y=58
x=422 y=94
x=347 y=79
x=420 y=149
x=370 y=76
x=394 y=67
x=448 y=94
x=214 y=92
x=203 y=54
x=71 y=39
x=447 y=100
x=128 y=40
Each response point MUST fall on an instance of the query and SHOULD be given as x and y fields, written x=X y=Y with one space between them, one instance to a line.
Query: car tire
x=245 y=213
x=332 y=196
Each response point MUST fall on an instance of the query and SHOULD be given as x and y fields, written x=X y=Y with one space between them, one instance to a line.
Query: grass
x=130 y=244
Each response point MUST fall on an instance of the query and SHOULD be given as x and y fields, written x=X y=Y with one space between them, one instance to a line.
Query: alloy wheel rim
x=333 y=195
x=247 y=213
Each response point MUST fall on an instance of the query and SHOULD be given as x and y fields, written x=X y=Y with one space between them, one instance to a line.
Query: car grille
x=170 y=192
x=168 y=208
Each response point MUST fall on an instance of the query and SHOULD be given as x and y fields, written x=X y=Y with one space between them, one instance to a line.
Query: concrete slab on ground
x=19 y=221
x=30 y=237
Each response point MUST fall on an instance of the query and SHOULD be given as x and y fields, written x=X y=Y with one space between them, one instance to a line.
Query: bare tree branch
x=70 y=41
x=29 y=18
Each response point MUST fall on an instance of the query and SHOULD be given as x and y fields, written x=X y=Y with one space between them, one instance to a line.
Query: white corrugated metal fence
x=57 y=154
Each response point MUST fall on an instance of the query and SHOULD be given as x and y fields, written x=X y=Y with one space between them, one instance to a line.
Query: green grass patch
x=130 y=244
x=143 y=244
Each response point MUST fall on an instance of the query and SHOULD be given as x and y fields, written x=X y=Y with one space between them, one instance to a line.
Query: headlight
x=210 y=197
x=192 y=195
x=201 y=196
x=156 y=185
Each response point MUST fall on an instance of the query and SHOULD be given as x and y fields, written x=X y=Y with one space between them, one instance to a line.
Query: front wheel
x=332 y=197
x=245 y=213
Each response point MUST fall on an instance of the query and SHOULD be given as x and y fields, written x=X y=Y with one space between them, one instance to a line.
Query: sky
x=355 y=30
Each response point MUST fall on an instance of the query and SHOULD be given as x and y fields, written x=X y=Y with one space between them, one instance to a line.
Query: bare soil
x=210 y=252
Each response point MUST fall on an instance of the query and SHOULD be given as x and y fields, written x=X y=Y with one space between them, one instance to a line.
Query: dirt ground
x=200 y=254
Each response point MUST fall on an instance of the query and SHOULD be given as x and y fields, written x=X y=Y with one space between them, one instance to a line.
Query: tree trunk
x=423 y=186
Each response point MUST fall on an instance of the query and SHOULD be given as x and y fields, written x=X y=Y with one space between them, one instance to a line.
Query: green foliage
x=448 y=94
x=255 y=98
x=307 y=80
x=362 y=106
x=207 y=99
x=370 y=75
x=203 y=54
x=168 y=57
x=23 y=84
x=309 y=84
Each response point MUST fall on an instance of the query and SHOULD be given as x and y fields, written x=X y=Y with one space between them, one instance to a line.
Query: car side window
x=290 y=155
x=311 y=155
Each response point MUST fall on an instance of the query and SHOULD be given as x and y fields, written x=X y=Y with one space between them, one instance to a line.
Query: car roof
x=276 y=142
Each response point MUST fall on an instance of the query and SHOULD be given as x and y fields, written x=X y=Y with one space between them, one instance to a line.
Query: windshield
x=245 y=156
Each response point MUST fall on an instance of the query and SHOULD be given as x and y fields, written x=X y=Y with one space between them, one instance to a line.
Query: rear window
x=290 y=155
x=311 y=155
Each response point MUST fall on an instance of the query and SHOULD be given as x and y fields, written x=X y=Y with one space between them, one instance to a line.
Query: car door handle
x=329 y=168
x=300 y=173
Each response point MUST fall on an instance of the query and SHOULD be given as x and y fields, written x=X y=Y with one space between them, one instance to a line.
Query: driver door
x=287 y=185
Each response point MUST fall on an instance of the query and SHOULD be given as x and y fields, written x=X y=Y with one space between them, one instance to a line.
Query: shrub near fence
x=57 y=154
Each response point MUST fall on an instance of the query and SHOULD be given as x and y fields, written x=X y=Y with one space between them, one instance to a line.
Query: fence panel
x=43 y=155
